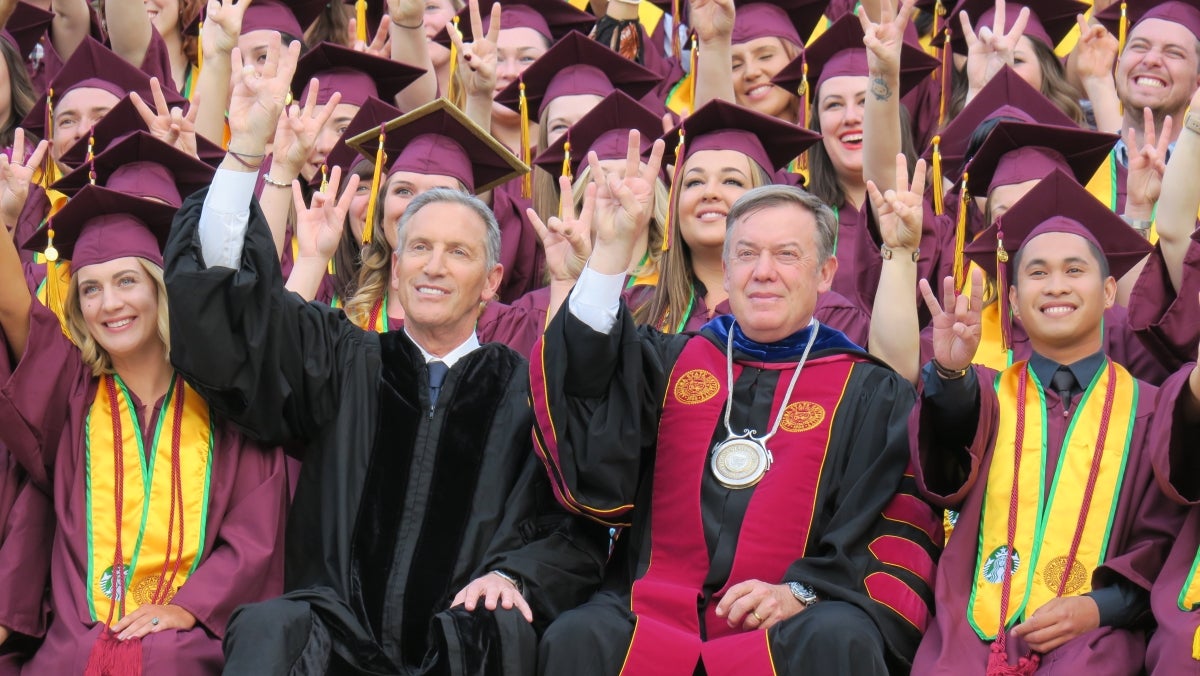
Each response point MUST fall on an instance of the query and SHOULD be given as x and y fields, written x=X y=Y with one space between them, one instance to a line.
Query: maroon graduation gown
x=1175 y=465
x=520 y=249
x=42 y=420
x=1142 y=530
x=1167 y=322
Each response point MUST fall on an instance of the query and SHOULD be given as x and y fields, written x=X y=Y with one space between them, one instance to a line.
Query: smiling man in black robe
x=419 y=488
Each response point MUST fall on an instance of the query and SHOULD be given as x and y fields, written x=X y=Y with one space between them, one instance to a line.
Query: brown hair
x=21 y=96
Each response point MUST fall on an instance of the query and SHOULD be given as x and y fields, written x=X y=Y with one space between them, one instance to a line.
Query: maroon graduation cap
x=98 y=225
x=142 y=166
x=604 y=131
x=357 y=75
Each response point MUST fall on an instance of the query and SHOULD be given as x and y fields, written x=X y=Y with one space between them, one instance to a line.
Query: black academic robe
x=400 y=504
x=603 y=404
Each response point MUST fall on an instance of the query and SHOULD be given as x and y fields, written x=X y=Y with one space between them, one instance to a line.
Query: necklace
x=741 y=460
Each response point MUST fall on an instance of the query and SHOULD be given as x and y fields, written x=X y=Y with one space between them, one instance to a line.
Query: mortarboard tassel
x=200 y=48
x=939 y=200
x=453 y=87
x=960 y=235
x=676 y=51
x=380 y=158
x=324 y=186
x=803 y=92
x=360 y=18
x=527 y=179
x=566 y=165
x=1122 y=28
x=945 y=75
x=1002 y=291
x=674 y=193
x=691 y=77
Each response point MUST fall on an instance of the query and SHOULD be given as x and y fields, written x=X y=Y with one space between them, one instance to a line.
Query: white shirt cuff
x=596 y=299
x=224 y=217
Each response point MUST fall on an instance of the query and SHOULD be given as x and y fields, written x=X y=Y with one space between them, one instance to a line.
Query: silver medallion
x=740 y=462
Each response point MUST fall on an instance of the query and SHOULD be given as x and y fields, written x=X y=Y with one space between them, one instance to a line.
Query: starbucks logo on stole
x=801 y=416
x=993 y=567
x=696 y=387
x=1052 y=574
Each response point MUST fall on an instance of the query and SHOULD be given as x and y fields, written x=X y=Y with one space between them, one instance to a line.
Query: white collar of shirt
x=451 y=358
x=1122 y=152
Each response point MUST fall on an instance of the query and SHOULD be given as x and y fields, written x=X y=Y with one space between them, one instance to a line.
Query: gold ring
x=756 y=616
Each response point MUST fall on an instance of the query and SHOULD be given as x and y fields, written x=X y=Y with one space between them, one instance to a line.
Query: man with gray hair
x=757 y=469
x=424 y=536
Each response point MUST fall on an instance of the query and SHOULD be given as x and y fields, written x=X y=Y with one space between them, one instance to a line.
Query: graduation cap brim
x=1083 y=150
x=491 y=163
x=781 y=141
x=789 y=19
x=618 y=112
x=92 y=201
x=92 y=60
x=189 y=173
x=1005 y=88
x=323 y=61
x=577 y=49
x=559 y=16
x=1060 y=196
x=846 y=34
x=370 y=116
x=121 y=121
x=27 y=25
x=1183 y=12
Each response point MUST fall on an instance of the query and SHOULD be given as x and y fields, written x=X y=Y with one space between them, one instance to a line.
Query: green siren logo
x=107 y=583
x=993 y=567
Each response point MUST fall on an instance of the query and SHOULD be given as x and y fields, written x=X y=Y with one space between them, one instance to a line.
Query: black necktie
x=437 y=373
x=1063 y=383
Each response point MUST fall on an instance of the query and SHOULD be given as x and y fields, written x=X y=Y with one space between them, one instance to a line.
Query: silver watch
x=804 y=593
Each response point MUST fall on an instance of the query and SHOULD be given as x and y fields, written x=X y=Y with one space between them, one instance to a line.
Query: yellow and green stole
x=1189 y=600
x=1054 y=549
x=149 y=513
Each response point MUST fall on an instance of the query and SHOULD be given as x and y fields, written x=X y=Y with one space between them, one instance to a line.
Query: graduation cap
x=142 y=166
x=1049 y=20
x=439 y=139
x=1015 y=152
x=292 y=17
x=552 y=19
x=577 y=64
x=791 y=20
x=719 y=125
x=839 y=51
x=98 y=225
x=26 y=26
x=357 y=75
x=91 y=66
x=1057 y=204
x=1120 y=17
x=122 y=121
x=605 y=131
x=371 y=114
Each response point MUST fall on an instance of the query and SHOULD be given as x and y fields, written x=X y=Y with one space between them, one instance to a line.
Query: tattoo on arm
x=880 y=89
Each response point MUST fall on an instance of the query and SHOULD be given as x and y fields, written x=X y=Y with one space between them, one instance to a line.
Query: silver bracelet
x=278 y=184
x=510 y=578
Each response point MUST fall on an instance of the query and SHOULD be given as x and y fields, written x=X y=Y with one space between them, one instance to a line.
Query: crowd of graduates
x=938 y=134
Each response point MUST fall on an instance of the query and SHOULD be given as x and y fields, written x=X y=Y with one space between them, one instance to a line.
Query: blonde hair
x=658 y=220
x=93 y=354
x=667 y=307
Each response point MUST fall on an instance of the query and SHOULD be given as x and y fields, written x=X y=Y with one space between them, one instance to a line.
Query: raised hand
x=319 y=225
x=991 y=49
x=625 y=204
x=958 y=328
x=222 y=26
x=884 y=40
x=298 y=128
x=477 y=59
x=169 y=125
x=16 y=173
x=406 y=12
x=1147 y=164
x=380 y=45
x=1096 y=52
x=900 y=213
x=567 y=239
x=711 y=19
x=256 y=97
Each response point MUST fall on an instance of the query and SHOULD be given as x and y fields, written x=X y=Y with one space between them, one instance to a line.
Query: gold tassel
x=380 y=158
x=527 y=179
x=1002 y=291
x=50 y=253
x=47 y=160
x=324 y=177
x=566 y=167
x=803 y=92
x=673 y=194
x=691 y=77
x=939 y=200
x=360 y=17
x=1122 y=28
x=960 y=235
x=452 y=94
x=200 y=48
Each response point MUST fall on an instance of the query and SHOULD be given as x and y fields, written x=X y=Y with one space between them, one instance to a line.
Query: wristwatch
x=804 y=593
